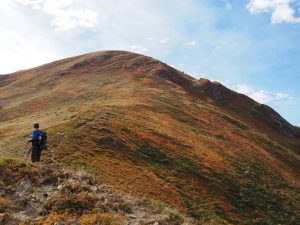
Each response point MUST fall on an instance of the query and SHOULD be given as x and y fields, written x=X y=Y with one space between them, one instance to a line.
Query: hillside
x=68 y=197
x=145 y=129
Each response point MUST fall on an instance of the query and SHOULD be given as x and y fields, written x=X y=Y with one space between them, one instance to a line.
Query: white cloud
x=281 y=95
x=120 y=25
x=70 y=19
x=190 y=43
x=138 y=49
x=19 y=52
x=26 y=45
x=64 y=15
x=165 y=40
x=260 y=96
x=4 y=4
x=282 y=10
x=244 y=89
x=34 y=3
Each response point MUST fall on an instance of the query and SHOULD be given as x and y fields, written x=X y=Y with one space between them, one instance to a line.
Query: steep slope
x=145 y=128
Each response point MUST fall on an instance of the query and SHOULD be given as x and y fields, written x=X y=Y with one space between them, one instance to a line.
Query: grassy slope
x=144 y=131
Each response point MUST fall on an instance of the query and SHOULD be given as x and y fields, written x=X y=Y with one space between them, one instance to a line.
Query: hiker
x=36 y=143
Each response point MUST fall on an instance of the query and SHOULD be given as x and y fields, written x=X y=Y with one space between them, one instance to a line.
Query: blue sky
x=251 y=46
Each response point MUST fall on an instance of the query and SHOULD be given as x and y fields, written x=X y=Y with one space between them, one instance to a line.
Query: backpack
x=43 y=141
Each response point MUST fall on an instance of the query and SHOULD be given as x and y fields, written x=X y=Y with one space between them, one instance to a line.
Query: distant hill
x=146 y=129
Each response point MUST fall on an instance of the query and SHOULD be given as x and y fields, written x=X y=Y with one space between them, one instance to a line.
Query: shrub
x=173 y=216
x=4 y=205
x=12 y=170
x=50 y=220
x=157 y=205
x=100 y=219
x=74 y=203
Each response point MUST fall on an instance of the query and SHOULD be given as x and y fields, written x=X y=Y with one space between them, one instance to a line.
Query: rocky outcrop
x=63 y=196
x=24 y=187
x=267 y=115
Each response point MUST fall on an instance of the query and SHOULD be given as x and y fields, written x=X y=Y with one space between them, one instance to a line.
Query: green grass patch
x=221 y=136
x=153 y=155
x=186 y=164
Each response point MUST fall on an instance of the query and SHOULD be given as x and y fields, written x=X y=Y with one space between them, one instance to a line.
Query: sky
x=251 y=46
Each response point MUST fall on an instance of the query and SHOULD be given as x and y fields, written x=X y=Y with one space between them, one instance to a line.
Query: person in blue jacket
x=36 y=138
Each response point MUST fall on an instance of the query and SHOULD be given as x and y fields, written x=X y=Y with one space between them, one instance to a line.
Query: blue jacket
x=35 y=136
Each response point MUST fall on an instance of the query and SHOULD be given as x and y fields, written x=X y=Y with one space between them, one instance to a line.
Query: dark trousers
x=36 y=153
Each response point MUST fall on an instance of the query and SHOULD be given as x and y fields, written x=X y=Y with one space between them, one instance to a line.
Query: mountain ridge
x=218 y=92
x=142 y=126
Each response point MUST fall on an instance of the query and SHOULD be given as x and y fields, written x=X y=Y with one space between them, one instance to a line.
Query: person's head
x=36 y=125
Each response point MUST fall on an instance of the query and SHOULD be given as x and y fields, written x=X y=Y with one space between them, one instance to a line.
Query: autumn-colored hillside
x=146 y=129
